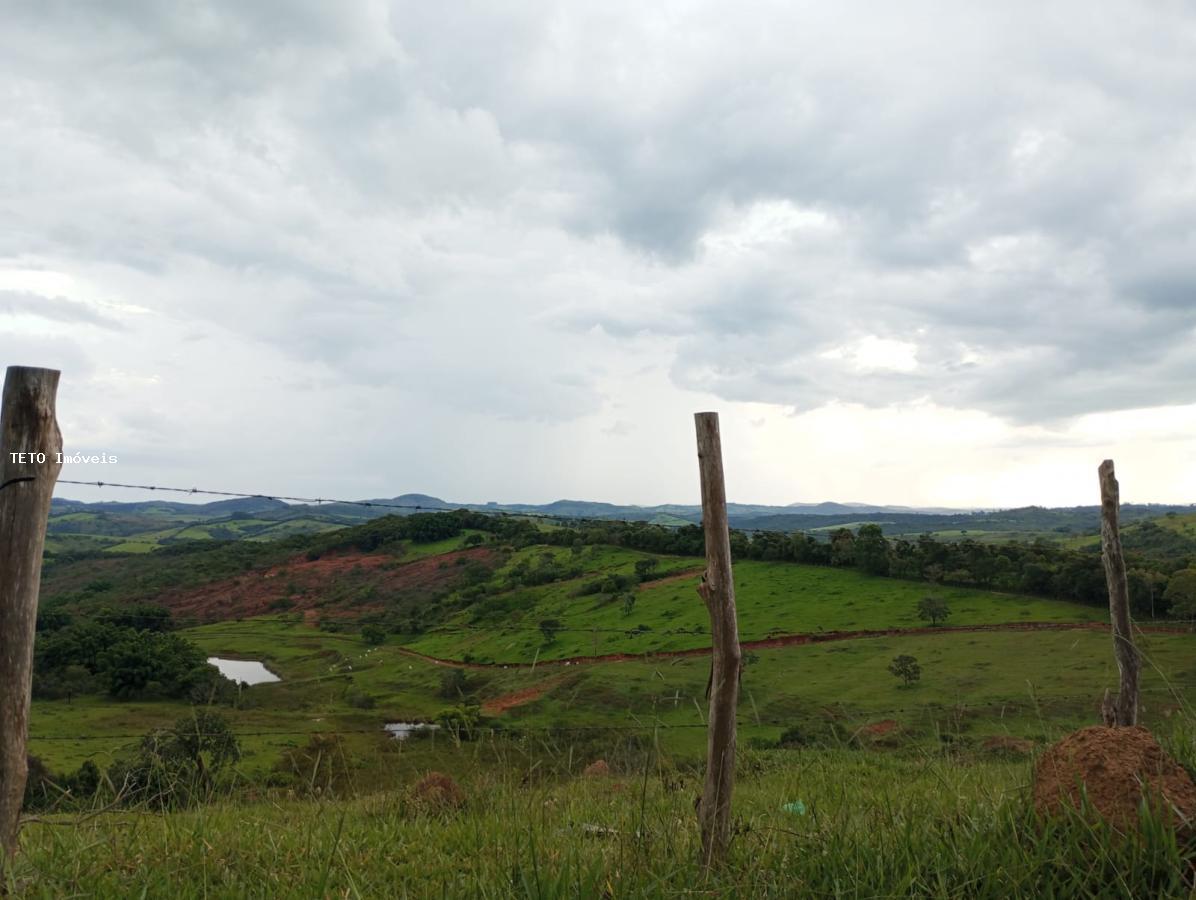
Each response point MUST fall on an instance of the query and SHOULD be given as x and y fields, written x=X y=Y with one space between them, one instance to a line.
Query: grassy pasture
x=871 y=825
x=773 y=598
x=1027 y=684
x=921 y=807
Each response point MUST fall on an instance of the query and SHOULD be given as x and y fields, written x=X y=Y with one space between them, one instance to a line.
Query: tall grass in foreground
x=873 y=826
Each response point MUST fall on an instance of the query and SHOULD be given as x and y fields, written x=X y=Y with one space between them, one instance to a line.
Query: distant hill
x=835 y=509
x=142 y=526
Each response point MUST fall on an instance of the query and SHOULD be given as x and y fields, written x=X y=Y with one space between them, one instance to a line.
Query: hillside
x=537 y=650
x=1165 y=538
x=495 y=597
x=79 y=528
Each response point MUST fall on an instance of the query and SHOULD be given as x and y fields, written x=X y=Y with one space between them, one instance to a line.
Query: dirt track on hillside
x=791 y=640
x=687 y=575
x=498 y=705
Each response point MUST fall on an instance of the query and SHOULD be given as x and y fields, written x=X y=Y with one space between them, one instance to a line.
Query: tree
x=373 y=635
x=645 y=567
x=150 y=662
x=842 y=547
x=933 y=609
x=628 y=603
x=1181 y=594
x=1146 y=591
x=872 y=550
x=906 y=668
x=550 y=628
x=453 y=684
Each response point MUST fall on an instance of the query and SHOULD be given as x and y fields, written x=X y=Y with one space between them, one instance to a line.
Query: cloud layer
x=504 y=219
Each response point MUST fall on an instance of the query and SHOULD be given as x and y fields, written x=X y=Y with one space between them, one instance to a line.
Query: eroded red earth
x=333 y=585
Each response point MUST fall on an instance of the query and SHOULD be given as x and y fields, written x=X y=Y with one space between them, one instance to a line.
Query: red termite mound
x=438 y=790
x=1115 y=768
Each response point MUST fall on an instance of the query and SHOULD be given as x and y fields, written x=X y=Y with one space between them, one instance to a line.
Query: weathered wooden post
x=718 y=592
x=30 y=444
x=1125 y=709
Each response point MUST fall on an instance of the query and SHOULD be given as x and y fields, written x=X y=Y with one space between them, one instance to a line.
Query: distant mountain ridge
x=589 y=509
x=142 y=526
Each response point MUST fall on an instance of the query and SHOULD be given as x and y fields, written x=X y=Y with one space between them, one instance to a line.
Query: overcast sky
x=938 y=253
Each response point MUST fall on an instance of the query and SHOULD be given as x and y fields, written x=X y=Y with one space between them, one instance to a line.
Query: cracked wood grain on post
x=30 y=444
x=718 y=593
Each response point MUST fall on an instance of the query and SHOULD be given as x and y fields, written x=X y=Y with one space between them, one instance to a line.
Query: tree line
x=127 y=652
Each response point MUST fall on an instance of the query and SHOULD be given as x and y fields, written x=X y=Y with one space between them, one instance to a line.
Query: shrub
x=180 y=765
x=360 y=699
x=550 y=628
x=460 y=721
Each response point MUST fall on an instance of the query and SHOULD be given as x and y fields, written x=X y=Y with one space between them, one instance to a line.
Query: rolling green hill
x=773 y=599
x=441 y=619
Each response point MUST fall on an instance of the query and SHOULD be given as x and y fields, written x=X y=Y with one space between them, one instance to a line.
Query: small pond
x=400 y=731
x=249 y=671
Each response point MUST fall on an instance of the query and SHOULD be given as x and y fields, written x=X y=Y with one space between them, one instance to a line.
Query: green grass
x=875 y=826
x=925 y=810
x=772 y=598
x=972 y=687
x=1029 y=684
x=987 y=537
x=73 y=543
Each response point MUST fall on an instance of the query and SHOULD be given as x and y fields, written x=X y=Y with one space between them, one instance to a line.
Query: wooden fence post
x=1125 y=709
x=718 y=592
x=29 y=443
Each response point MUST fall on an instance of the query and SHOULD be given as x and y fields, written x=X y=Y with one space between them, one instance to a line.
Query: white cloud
x=875 y=354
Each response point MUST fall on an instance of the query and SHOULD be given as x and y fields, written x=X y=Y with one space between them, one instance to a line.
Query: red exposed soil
x=305 y=583
x=500 y=705
x=790 y=640
x=1114 y=768
x=877 y=729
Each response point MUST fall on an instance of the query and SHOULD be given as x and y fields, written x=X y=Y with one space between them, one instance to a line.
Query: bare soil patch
x=499 y=705
x=304 y=585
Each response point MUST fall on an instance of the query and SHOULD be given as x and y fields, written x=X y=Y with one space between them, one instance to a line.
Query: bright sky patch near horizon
x=921 y=254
